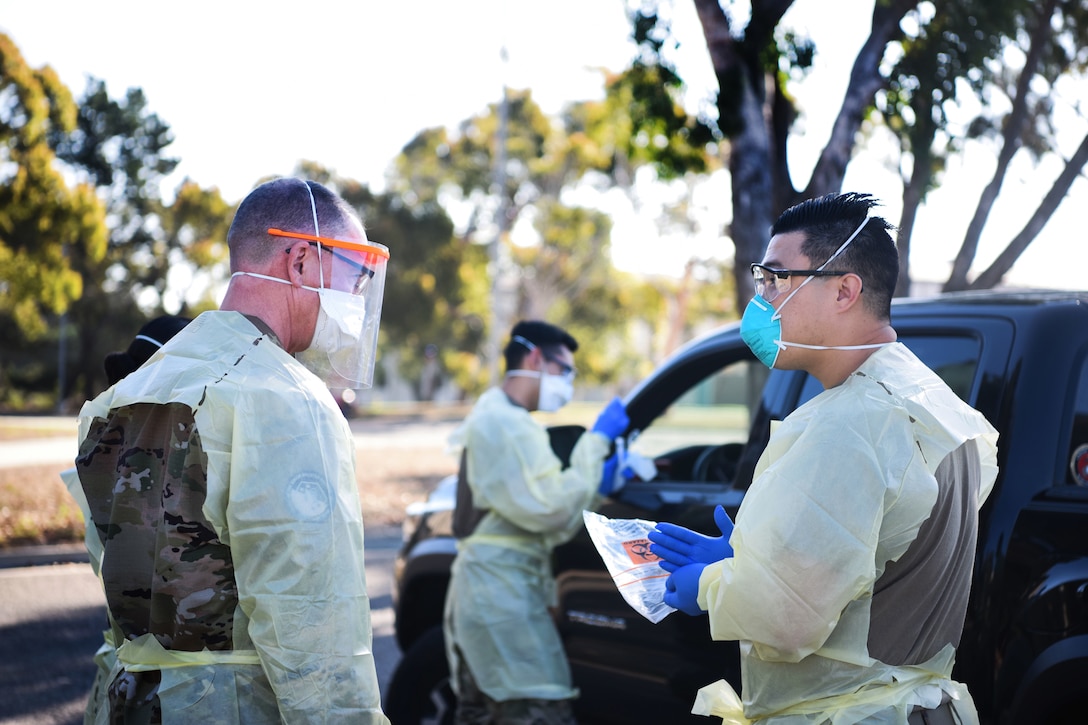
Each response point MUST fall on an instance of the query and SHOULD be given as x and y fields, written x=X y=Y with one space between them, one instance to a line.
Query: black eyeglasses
x=565 y=370
x=763 y=275
x=363 y=272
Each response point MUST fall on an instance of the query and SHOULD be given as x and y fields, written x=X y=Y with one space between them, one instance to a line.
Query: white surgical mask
x=341 y=320
x=555 y=390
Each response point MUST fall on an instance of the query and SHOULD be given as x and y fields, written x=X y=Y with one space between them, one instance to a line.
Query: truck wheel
x=419 y=691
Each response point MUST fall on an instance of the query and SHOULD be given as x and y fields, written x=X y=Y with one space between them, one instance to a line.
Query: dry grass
x=35 y=507
x=14 y=429
x=390 y=480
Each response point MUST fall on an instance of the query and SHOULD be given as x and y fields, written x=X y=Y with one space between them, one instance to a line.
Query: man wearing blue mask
x=506 y=658
x=847 y=574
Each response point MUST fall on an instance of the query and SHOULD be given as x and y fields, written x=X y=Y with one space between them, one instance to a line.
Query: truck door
x=693 y=419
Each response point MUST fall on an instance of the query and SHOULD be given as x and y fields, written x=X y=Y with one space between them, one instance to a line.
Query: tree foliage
x=43 y=222
x=1053 y=37
x=937 y=56
x=513 y=163
x=120 y=148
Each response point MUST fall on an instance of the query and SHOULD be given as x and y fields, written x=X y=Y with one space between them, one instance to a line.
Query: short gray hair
x=283 y=204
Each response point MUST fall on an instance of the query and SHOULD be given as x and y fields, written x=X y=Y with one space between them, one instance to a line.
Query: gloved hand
x=613 y=478
x=682 y=589
x=613 y=420
x=608 y=476
x=679 y=547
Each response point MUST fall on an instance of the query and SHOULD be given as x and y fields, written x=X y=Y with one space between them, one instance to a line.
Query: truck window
x=713 y=411
x=1076 y=473
x=954 y=359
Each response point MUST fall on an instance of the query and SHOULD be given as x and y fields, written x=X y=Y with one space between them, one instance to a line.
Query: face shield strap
x=317 y=233
x=523 y=342
x=530 y=347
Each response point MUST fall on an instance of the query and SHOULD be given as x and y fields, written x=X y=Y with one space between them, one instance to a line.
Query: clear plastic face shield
x=343 y=349
x=351 y=286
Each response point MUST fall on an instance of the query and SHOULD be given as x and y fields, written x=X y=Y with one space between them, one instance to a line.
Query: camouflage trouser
x=134 y=699
x=476 y=708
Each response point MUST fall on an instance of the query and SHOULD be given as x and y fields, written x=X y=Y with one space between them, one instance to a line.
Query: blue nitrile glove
x=679 y=547
x=612 y=479
x=613 y=420
x=682 y=589
x=608 y=476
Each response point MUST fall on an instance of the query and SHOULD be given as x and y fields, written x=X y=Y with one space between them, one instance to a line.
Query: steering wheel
x=717 y=464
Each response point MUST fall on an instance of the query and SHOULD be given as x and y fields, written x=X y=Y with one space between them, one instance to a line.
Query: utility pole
x=503 y=280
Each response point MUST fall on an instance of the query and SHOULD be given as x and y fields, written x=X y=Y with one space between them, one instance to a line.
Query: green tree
x=119 y=147
x=1052 y=36
x=951 y=47
x=957 y=46
x=512 y=161
x=195 y=229
x=44 y=224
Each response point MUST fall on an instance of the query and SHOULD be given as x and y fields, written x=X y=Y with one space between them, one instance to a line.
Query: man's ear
x=849 y=290
x=533 y=360
x=299 y=257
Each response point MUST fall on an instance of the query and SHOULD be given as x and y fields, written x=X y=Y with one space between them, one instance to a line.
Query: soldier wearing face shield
x=220 y=486
x=506 y=659
x=847 y=574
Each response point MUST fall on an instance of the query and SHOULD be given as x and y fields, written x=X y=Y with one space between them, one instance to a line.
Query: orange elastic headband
x=354 y=246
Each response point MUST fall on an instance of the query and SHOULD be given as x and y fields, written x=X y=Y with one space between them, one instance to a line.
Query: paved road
x=51 y=622
x=52 y=614
x=369 y=434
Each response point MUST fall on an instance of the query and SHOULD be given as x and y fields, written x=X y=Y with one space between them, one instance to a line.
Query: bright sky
x=251 y=88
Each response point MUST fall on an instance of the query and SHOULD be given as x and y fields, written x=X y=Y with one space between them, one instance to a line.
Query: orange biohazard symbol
x=639 y=551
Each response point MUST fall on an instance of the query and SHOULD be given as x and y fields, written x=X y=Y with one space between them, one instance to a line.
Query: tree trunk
x=996 y=271
x=741 y=106
x=912 y=199
x=914 y=189
x=865 y=81
x=1010 y=144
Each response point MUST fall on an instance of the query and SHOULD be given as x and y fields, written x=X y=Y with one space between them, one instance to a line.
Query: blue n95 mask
x=761 y=330
x=761 y=324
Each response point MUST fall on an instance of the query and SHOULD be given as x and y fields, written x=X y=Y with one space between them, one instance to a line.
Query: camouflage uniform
x=220 y=485
x=476 y=708
x=144 y=474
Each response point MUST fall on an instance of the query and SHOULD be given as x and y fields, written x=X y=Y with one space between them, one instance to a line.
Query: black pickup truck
x=704 y=416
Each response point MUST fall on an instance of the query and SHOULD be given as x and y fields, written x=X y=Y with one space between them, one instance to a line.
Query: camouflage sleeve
x=164 y=568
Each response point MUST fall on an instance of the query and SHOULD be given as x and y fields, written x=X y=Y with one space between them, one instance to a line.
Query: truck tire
x=419 y=691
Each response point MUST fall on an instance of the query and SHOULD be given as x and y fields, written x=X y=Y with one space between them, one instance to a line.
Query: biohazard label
x=639 y=551
x=1079 y=465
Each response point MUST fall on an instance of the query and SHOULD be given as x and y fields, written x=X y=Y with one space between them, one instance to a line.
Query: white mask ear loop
x=317 y=233
x=152 y=340
x=842 y=247
x=778 y=313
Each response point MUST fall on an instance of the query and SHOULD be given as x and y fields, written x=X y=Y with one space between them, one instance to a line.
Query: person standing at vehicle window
x=505 y=655
x=220 y=481
x=847 y=575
